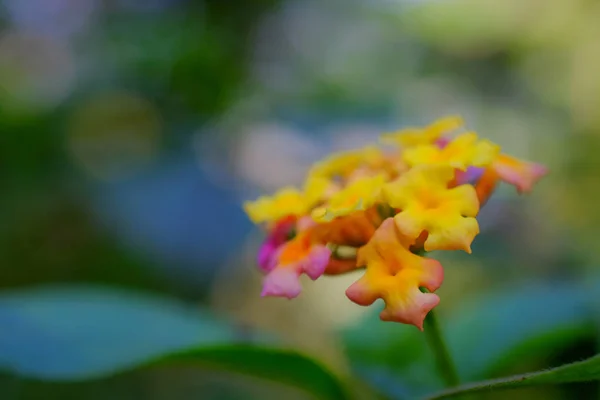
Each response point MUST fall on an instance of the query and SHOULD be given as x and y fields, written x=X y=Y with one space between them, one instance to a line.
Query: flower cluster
x=381 y=208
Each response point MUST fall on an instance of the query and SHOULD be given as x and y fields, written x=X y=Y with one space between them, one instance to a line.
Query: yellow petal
x=423 y=136
x=427 y=205
x=344 y=163
x=359 y=195
x=286 y=202
x=462 y=152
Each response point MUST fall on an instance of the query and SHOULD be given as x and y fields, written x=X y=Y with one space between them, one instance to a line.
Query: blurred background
x=132 y=130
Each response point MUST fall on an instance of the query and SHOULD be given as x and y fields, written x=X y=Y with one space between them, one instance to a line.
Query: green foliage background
x=130 y=132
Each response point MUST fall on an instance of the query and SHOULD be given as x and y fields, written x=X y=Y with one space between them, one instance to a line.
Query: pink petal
x=316 y=263
x=360 y=293
x=266 y=253
x=282 y=282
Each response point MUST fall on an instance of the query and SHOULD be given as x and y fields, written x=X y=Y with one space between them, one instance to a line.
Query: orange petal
x=486 y=185
x=337 y=266
x=395 y=275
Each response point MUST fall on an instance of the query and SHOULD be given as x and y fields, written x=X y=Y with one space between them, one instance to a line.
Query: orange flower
x=375 y=209
x=395 y=275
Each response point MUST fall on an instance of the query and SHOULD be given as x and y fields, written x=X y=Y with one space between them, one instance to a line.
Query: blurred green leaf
x=69 y=334
x=490 y=333
x=582 y=371
x=496 y=331
x=243 y=372
x=375 y=342
x=392 y=357
x=83 y=332
x=283 y=366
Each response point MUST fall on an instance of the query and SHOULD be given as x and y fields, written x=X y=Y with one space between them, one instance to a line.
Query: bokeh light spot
x=114 y=135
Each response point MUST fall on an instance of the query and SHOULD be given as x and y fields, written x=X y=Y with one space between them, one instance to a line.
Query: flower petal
x=522 y=174
x=282 y=282
x=394 y=274
x=294 y=258
x=344 y=163
x=315 y=263
x=266 y=260
x=338 y=266
x=286 y=202
x=428 y=135
x=470 y=176
x=357 y=196
x=352 y=230
x=413 y=310
x=462 y=152
x=452 y=233
x=427 y=204
x=486 y=185
x=278 y=235
x=410 y=223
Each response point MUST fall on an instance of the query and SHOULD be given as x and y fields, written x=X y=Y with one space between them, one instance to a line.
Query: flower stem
x=436 y=342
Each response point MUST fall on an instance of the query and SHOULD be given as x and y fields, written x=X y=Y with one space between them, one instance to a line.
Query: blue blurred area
x=175 y=215
x=61 y=333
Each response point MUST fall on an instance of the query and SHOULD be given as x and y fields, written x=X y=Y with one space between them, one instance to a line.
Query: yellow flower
x=429 y=135
x=318 y=188
x=428 y=205
x=286 y=202
x=464 y=151
x=360 y=194
x=395 y=275
x=342 y=164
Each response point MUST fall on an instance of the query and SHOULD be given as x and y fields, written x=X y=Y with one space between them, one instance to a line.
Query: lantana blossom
x=395 y=274
x=428 y=204
x=381 y=209
x=409 y=137
x=464 y=151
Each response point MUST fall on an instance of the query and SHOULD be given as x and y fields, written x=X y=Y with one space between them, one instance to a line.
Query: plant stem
x=436 y=342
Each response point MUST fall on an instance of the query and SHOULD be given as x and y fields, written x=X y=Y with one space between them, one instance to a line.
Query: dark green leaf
x=486 y=335
x=191 y=378
x=581 y=371
x=493 y=332
x=288 y=367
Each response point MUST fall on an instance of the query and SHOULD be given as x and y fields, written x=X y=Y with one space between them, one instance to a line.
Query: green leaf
x=283 y=366
x=67 y=333
x=582 y=371
x=72 y=334
x=390 y=356
x=219 y=373
x=491 y=333
x=486 y=334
